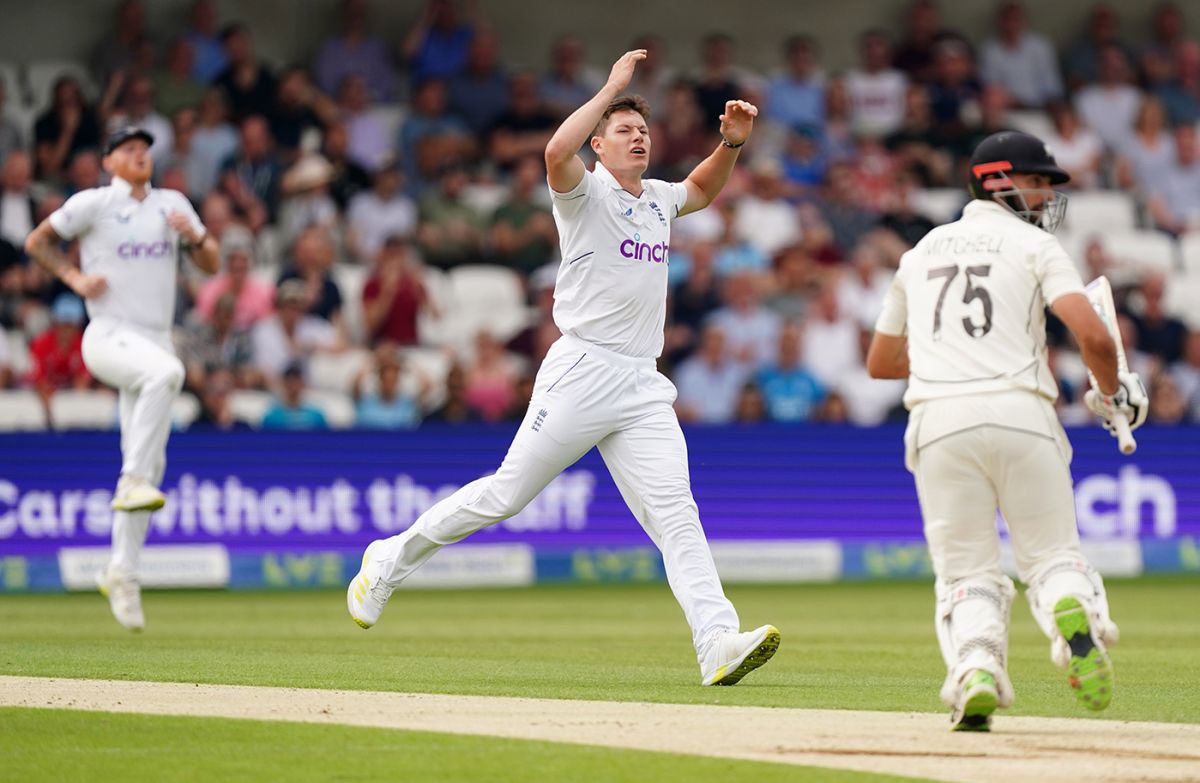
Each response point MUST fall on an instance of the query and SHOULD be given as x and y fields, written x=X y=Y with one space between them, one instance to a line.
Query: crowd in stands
x=389 y=255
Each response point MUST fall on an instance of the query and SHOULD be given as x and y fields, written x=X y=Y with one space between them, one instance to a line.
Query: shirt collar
x=606 y=177
x=125 y=188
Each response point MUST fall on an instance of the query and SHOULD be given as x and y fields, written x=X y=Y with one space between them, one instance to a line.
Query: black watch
x=725 y=143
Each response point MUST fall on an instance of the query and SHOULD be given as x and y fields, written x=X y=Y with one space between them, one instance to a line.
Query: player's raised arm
x=711 y=174
x=564 y=169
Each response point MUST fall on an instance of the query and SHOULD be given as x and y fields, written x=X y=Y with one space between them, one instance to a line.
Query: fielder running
x=599 y=385
x=130 y=236
x=964 y=322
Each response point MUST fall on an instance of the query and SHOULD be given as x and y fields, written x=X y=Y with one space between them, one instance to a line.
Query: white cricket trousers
x=972 y=455
x=141 y=365
x=587 y=396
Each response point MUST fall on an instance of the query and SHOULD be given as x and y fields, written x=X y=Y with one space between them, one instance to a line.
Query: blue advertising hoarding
x=296 y=509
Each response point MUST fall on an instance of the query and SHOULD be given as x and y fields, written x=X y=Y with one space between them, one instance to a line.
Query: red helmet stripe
x=981 y=169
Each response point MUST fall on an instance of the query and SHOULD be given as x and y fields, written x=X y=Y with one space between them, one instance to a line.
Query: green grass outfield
x=853 y=646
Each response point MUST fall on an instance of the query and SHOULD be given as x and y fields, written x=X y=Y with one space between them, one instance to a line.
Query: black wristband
x=725 y=143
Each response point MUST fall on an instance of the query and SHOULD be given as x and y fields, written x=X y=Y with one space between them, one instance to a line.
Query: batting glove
x=1130 y=401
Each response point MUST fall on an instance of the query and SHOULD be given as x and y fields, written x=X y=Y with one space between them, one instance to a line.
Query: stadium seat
x=1142 y=249
x=268 y=274
x=1182 y=294
x=488 y=297
x=185 y=409
x=941 y=205
x=431 y=364
x=83 y=410
x=249 y=406
x=337 y=407
x=437 y=330
x=485 y=198
x=268 y=249
x=21 y=409
x=350 y=280
x=1189 y=252
x=336 y=371
x=1032 y=121
x=1100 y=210
x=41 y=76
x=18 y=354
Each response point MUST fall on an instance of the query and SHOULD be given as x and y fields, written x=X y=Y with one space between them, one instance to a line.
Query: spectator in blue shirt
x=290 y=412
x=385 y=405
x=796 y=97
x=792 y=392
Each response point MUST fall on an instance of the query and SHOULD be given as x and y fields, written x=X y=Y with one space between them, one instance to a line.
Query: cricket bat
x=1099 y=294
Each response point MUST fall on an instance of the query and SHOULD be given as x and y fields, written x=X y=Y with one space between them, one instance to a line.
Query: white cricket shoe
x=124 y=596
x=368 y=593
x=137 y=494
x=730 y=656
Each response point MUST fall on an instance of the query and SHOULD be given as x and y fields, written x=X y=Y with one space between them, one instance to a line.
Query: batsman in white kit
x=599 y=385
x=130 y=236
x=964 y=322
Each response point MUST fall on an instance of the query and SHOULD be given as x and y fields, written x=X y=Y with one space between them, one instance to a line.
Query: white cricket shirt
x=129 y=243
x=612 y=283
x=971 y=298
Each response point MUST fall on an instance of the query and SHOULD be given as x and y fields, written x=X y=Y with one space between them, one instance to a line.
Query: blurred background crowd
x=389 y=255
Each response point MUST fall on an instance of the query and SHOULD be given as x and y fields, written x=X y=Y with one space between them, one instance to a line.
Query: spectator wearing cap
x=394 y=295
x=290 y=334
x=56 y=354
x=385 y=404
x=252 y=298
x=449 y=232
x=219 y=342
x=796 y=97
x=249 y=85
x=524 y=237
x=290 y=411
x=355 y=51
x=383 y=211
x=305 y=199
x=1019 y=60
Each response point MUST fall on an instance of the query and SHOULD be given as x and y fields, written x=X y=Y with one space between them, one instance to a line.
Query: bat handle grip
x=1125 y=441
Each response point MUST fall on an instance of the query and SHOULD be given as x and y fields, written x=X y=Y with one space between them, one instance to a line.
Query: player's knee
x=171 y=376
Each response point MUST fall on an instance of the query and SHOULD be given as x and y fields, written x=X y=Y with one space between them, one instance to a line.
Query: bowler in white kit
x=965 y=323
x=130 y=236
x=599 y=385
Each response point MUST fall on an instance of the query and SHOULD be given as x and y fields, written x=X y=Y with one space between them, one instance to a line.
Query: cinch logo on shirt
x=641 y=251
x=144 y=249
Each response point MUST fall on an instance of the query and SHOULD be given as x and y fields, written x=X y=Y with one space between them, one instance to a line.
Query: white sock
x=128 y=536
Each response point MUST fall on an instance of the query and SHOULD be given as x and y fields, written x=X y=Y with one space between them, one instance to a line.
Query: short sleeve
x=185 y=206
x=893 y=319
x=77 y=215
x=1056 y=273
x=677 y=196
x=577 y=198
